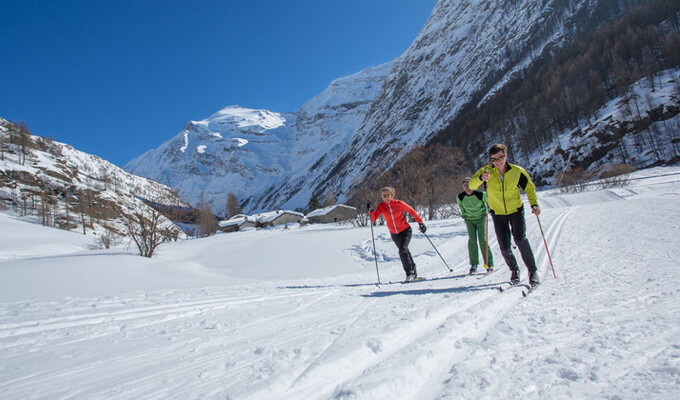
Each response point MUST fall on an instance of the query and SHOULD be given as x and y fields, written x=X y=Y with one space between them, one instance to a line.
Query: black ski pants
x=402 y=239
x=514 y=223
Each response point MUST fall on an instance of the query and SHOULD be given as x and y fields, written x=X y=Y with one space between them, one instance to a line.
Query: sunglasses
x=494 y=159
x=386 y=195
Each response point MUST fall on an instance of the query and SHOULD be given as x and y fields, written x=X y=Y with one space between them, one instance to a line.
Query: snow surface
x=295 y=314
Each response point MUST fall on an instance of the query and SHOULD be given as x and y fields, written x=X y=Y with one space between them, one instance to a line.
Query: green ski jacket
x=473 y=206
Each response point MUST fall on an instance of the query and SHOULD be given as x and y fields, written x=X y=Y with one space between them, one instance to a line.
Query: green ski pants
x=476 y=232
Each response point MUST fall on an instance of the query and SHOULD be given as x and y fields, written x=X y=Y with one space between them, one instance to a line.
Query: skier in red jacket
x=393 y=212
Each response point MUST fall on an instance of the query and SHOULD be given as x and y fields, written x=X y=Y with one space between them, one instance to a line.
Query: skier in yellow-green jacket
x=472 y=205
x=504 y=181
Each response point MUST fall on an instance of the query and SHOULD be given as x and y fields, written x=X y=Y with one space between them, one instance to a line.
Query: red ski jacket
x=393 y=212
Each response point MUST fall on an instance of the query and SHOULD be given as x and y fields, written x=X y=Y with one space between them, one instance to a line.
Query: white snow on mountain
x=234 y=150
x=75 y=188
x=295 y=313
x=466 y=50
x=265 y=158
x=652 y=146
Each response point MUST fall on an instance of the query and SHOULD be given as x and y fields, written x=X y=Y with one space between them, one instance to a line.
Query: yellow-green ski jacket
x=503 y=194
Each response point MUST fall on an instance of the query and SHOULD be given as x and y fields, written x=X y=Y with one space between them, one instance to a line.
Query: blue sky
x=118 y=78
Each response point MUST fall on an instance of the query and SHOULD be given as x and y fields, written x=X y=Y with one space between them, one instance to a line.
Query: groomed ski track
x=450 y=336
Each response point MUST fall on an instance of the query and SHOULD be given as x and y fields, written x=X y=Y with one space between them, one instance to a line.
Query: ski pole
x=375 y=255
x=435 y=249
x=486 y=240
x=486 y=232
x=546 y=246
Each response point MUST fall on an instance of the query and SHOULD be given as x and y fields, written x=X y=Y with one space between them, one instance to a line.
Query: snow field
x=242 y=317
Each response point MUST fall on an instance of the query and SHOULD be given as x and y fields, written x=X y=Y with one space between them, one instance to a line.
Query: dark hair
x=498 y=147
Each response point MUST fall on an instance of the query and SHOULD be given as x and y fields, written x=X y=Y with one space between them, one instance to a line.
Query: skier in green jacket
x=472 y=206
x=504 y=181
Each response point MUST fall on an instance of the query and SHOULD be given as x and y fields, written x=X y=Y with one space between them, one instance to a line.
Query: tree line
x=556 y=92
x=566 y=86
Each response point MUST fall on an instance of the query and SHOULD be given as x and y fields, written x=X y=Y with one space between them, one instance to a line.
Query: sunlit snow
x=295 y=313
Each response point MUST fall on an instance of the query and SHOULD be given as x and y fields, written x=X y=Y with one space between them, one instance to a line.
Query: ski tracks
x=403 y=340
x=129 y=347
x=399 y=341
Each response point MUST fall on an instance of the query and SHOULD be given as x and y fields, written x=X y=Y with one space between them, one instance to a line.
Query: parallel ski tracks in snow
x=166 y=312
x=313 y=342
x=124 y=329
x=419 y=352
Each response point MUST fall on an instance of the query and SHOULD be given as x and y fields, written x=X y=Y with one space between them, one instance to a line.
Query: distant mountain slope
x=466 y=52
x=64 y=187
x=268 y=160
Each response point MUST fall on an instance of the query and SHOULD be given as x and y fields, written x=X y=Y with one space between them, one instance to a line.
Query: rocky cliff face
x=466 y=51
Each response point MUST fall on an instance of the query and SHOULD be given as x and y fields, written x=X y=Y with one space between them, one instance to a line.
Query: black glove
x=422 y=226
x=369 y=206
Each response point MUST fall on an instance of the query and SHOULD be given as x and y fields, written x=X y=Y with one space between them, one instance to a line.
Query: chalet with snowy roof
x=276 y=218
x=236 y=223
x=336 y=213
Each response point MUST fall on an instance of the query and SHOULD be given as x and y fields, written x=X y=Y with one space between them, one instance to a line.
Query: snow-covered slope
x=65 y=187
x=222 y=318
x=467 y=50
x=326 y=125
x=464 y=49
x=612 y=136
x=235 y=150
x=268 y=160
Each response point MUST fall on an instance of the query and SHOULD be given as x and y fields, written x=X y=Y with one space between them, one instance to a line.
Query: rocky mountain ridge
x=464 y=54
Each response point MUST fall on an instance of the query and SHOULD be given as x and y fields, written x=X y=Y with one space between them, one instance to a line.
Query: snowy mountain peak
x=244 y=118
x=267 y=159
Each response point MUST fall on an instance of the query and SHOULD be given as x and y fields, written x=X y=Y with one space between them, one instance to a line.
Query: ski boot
x=533 y=279
x=514 y=277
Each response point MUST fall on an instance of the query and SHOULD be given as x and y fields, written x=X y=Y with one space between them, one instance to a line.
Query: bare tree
x=149 y=231
x=207 y=221
x=3 y=139
x=108 y=239
x=422 y=177
x=24 y=141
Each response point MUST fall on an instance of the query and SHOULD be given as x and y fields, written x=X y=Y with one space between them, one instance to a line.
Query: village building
x=236 y=223
x=336 y=213
x=277 y=218
x=263 y=220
